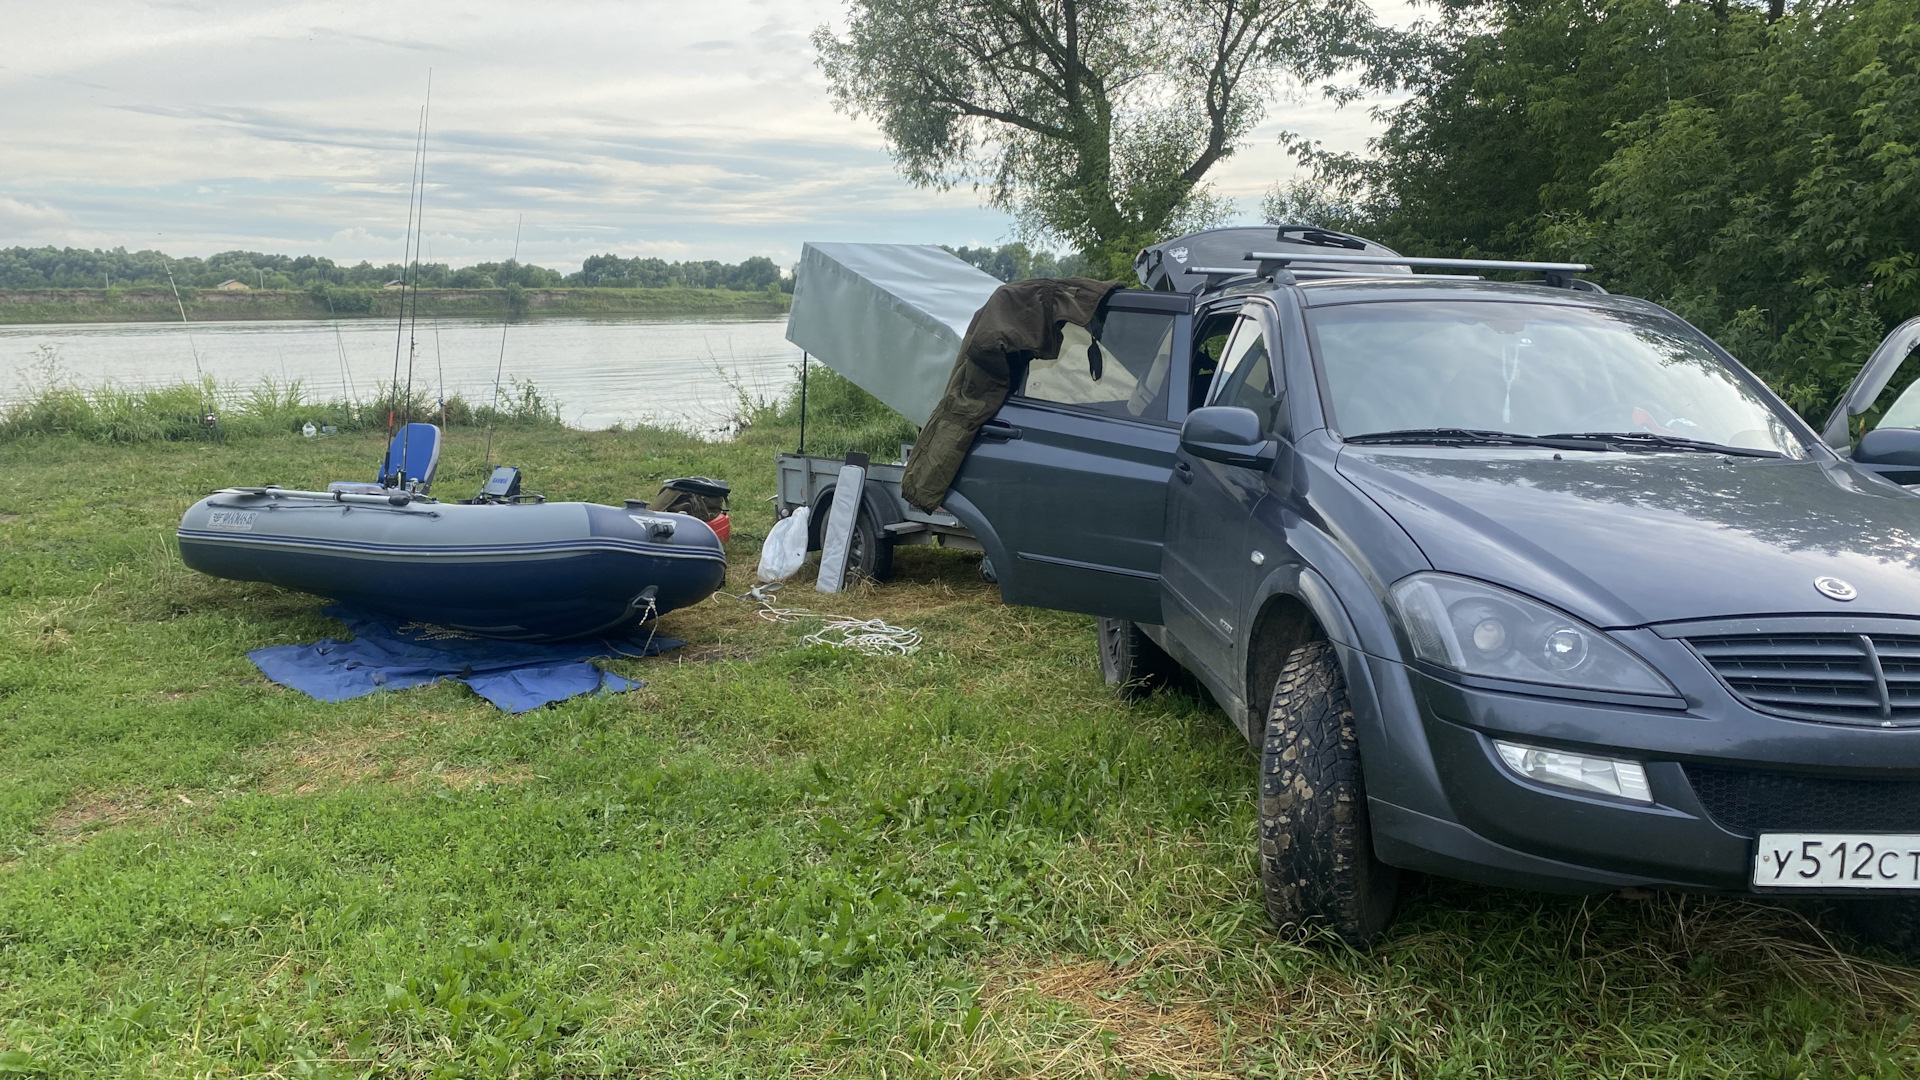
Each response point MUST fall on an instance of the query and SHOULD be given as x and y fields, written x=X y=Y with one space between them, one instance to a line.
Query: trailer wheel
x=869 y=549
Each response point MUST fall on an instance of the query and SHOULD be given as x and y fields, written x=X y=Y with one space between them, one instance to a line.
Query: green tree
x=1510 y=105
x=756 y=273
x=1783 y=213
x=1016 y=261
x=1094 y=121
x=1749 y=165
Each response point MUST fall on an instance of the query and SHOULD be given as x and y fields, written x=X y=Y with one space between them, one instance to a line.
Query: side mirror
x=1892 y=452
x=1229 y=435
x=1889 y=446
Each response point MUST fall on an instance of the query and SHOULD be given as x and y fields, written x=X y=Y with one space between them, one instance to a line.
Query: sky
x=683 y=130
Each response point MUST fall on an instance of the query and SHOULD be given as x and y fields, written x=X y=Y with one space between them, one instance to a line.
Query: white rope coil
x=874 y=637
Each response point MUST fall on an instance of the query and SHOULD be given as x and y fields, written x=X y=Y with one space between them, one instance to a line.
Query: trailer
x=886 y=520
x=889 y=317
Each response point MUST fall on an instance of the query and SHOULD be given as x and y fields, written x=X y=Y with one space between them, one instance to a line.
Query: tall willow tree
x=1093 y=121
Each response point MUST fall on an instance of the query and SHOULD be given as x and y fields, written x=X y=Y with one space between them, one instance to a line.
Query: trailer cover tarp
x=890 y=317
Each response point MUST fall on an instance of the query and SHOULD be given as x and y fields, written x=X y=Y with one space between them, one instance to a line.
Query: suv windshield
x=1535 y=369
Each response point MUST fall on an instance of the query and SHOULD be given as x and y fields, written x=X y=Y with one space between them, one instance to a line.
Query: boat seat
x=412 y=457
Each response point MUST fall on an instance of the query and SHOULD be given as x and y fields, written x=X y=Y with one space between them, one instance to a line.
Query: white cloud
x=20 y=214
x=646 y=126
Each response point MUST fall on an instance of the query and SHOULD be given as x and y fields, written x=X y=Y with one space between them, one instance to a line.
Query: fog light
x=1578 y=772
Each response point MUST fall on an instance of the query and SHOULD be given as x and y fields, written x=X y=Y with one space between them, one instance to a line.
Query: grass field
x=773 y=860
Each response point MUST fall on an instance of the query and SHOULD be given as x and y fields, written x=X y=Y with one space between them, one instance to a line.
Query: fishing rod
x=420 y=228
x=439 y=366
x=406 y=252
x=493 y=414
x=440 y=371
x=340 y=346
x=199 y=377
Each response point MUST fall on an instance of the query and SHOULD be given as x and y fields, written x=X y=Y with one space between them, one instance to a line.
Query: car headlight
x=1479 y=629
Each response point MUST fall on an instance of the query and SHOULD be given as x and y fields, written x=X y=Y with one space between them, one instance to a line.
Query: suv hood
x=1627 y=539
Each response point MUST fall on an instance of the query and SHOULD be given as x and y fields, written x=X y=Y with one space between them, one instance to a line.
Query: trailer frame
x=887 y=520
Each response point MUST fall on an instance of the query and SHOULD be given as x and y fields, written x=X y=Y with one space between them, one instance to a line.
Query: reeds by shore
x=180 y=412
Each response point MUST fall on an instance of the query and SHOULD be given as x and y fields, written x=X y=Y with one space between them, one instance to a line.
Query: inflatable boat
x=503 y=565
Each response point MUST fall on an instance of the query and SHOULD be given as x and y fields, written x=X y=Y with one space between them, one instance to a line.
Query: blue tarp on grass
x=386 y=655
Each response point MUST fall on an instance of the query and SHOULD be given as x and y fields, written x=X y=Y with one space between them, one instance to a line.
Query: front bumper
x=1500 y=828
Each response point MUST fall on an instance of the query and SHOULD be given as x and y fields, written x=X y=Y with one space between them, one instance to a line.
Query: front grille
x=1750 y=802
x=1847 y=678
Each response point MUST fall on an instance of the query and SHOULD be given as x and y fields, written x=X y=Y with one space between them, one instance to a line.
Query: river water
x=677 y=373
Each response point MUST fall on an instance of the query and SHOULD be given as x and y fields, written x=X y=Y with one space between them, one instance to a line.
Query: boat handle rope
x=647 y=615
x=288 y=508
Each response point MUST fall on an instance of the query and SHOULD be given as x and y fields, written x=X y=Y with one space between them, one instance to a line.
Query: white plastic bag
x=786 y=547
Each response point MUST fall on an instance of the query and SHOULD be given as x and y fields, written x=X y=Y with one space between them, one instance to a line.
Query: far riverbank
x=694 y=374
x=115 y=305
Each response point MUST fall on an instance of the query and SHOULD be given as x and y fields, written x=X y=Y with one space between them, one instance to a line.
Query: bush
x=840 y=417
x=519 y=404
x=341 y=301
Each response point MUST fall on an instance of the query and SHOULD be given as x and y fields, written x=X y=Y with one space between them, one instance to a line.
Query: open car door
x=1066 y=487
x=1877 y=421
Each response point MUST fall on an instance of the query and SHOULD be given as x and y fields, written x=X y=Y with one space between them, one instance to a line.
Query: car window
x=1209 y=344
x=1135 y=354
x=1898 y=406
x=1535 y=369
x=1247 y=374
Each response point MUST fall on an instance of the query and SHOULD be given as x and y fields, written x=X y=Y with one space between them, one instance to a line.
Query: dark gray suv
x=1521 y=583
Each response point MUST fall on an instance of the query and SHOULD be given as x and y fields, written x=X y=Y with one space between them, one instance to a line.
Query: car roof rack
x=1555 y=274
x=1167 y=266
x=1229 y=272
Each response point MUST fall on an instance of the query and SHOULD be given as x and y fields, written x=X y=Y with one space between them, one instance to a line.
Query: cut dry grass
x=1081 y=1017
x=89 y=814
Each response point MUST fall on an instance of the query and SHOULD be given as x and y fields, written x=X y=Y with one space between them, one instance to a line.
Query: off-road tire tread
x=1317 y=866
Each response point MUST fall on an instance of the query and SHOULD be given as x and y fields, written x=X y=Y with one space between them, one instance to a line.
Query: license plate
x=1836 y=861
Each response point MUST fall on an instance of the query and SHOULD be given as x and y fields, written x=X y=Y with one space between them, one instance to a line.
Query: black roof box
x=1168 y=267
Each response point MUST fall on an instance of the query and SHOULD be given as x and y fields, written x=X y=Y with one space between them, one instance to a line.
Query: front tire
x=1129 y=660
x=1317 y=866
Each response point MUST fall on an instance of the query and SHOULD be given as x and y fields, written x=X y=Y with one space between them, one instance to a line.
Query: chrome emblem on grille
x=1834 y=589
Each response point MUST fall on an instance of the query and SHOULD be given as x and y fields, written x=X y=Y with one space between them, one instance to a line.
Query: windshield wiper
x=1453 y=436
x=1648 y=440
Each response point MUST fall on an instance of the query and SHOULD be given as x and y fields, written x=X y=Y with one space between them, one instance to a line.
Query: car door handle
x=1184 y=471
x=998 y=431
